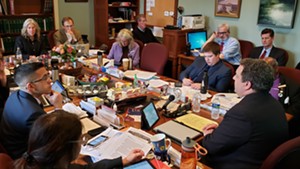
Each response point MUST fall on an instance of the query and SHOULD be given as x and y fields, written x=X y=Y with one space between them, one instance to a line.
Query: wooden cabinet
x=175 y=41
x=110 y=16
x=11 y=20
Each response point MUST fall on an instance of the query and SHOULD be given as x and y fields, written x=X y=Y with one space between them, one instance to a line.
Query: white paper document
x=119 y=144
x=142 y=75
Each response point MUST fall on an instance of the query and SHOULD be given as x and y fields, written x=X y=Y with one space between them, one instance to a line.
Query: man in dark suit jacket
x=219 y=75
x=268 y=49
x=23 y=107
x=141 y=32
x=251 y=129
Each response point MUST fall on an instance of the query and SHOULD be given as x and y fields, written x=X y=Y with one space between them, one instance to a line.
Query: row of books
x=8 y=43
x=15 y=25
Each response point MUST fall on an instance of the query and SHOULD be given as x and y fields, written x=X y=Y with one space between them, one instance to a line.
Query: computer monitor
x=196 y=39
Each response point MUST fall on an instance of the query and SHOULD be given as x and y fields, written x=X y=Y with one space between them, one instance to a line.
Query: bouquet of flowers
x=66 y=52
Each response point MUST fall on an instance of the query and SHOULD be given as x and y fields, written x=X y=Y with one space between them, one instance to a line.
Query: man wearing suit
x=252 y=128
x=287 y=92
x=268 y=49
x=23 y=107
x=219 y=75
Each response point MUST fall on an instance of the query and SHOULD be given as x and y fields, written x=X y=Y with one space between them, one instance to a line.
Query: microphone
x=170 y=99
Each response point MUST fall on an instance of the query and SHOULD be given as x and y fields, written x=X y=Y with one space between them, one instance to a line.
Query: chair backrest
x=298 y=66
x=6 y=162
x=246 y=47
x=284 y=156
x=231 y=87
x=154 y=57
x=291 y=73
x=141 y=44
x=51 y=39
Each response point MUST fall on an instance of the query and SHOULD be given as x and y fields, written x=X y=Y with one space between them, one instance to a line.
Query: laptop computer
x=196 y=39
x=176 y=131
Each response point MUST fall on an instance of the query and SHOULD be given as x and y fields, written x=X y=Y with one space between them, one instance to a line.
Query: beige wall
x=244 y=27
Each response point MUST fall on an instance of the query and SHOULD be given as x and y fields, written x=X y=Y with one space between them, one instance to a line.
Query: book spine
x=12 y=6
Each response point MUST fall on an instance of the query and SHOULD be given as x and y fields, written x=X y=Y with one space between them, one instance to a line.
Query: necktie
x=221 y=46
x=263 y=55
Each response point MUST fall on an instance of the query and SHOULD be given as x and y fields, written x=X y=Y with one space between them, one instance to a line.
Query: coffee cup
x=125 y=62
x=160 y=143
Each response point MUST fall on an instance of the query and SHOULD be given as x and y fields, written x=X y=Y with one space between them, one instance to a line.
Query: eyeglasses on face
x=45 y=77
x=68 y=26
x=222 y=33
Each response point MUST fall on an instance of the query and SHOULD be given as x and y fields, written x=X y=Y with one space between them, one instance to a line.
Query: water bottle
x=204 y=83
x=19 y=54
x=135 y=81
x=196 y=102
x=215 y=111
x=99 y=59
x=55 y=73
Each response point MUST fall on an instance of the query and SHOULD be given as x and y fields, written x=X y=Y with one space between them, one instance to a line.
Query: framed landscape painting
x=228 y=8
x=279 y=13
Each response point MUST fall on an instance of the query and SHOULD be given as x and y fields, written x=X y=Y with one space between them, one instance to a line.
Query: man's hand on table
x=209 y=129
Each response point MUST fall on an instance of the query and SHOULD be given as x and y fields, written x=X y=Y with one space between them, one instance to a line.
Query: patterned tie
x=263 y=55
x=221 y=46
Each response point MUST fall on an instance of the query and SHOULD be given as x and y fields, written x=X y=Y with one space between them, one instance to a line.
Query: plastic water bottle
x=18 y=54
x=135 y=81
x=196 y=102
x=215 y=111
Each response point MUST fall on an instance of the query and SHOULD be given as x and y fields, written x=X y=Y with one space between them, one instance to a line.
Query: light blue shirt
x=231 y=50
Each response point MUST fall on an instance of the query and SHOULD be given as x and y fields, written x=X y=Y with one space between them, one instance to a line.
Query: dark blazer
x=291 y=102
x=248 y=133
x=20 y=111
x=276 y=53
x=29 y=47
x=146 y=36
x=219 y=75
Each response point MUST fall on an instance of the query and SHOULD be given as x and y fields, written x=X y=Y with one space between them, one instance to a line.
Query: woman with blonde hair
x=125 y=47
x=30 y=42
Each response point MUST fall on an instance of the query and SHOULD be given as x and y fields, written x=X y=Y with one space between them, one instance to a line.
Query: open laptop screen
x=196 y=39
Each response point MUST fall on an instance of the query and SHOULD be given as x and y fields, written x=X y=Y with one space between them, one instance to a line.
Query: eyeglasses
x=222 y=33
x=45 y=77
x=82 y=140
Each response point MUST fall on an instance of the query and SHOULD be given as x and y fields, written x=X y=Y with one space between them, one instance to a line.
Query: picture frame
x=228 y=8
x=76 y=0
x=280 y=14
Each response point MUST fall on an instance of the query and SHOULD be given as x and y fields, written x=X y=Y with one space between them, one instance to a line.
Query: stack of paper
x=194 y=121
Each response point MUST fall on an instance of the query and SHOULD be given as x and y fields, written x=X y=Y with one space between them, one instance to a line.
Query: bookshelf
x=15 y=12
x=110 y=16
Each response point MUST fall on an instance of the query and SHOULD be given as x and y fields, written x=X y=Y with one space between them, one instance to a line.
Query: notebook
x=176 y=131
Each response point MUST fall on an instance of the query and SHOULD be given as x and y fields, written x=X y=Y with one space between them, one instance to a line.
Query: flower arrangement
x=66 y=52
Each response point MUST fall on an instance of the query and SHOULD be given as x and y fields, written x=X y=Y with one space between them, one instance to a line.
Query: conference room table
x=150 y=94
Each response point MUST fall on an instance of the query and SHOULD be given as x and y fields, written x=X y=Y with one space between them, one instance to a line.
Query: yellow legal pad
x=194 y=121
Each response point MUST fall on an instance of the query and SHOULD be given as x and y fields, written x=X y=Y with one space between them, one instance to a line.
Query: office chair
x=6 y=162
x=284 y=156
x=231 y=86
x=291 y=73
x=141 y=44
x=51 y=39
x=246 y=47
x=154 y=58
